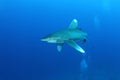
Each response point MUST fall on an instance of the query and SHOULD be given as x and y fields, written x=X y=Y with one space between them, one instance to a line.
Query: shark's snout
x=43 y=39
x=49 y=40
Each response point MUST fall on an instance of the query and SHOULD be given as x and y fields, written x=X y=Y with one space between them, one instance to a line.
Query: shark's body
x=68 y=35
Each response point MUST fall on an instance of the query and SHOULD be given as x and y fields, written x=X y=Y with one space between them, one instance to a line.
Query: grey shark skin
x=68 y=35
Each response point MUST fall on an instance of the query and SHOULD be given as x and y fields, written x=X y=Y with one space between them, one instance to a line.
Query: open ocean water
x=24 y=22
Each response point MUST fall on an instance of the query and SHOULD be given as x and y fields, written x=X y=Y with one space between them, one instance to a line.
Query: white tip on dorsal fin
x=73 y=24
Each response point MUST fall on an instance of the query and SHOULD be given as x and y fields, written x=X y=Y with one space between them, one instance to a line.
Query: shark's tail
x=83 y=65
x=83 y=68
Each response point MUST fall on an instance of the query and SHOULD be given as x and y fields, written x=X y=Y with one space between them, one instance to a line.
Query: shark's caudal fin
x=73 y=24
x=76 y=46
x=84 y=70
x=83 y=65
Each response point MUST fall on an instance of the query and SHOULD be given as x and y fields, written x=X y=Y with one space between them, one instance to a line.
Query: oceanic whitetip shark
x=68 y=35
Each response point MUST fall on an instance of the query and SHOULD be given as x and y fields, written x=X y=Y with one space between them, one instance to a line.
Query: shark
x=69 y=35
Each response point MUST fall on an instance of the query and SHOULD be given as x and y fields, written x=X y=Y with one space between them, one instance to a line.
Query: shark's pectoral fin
x=59 y=47
x=76 y=46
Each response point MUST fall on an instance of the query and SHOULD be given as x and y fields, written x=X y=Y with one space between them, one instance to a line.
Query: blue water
x=24 y=57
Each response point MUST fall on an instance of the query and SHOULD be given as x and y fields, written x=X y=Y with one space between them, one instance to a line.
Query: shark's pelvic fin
x=73 y=24
x=76 y=46
x=59 y=47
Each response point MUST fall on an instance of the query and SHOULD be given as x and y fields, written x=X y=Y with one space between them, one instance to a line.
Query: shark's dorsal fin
x=75 y=46
x=73 y=24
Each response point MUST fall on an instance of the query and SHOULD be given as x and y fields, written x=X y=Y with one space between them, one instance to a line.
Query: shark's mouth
x=53 y=40
x=49 y=40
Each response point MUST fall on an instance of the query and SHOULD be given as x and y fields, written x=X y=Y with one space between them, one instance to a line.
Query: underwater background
x=24 y=22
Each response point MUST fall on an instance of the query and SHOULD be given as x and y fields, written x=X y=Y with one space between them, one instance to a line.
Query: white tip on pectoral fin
x=81 y=50
x=76 y=46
